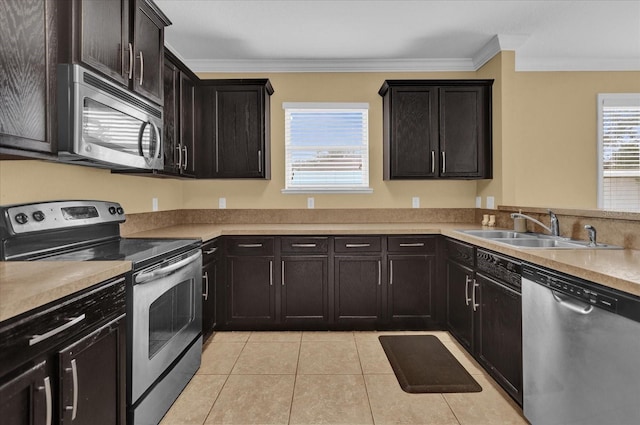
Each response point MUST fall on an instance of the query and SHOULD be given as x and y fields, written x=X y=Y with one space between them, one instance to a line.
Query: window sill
x=363 y=190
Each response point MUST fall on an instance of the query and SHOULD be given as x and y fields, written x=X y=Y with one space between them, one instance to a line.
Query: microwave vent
x=120 y=94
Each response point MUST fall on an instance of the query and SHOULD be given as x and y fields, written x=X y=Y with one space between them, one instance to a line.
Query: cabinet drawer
x=460 y=252
x=250 y=246
x=304 y=245
x=210 y=249
x=358 y=244
x=417 y=244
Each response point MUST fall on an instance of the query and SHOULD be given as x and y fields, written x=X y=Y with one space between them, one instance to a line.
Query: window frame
x=612 y=99
x=366 y=189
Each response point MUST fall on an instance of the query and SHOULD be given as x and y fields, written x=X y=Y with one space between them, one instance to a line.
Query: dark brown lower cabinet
x=499 y=339
x=304 y=290
x=460 y=284
x=250 y=291
x=27 y=397
x=409 y=295
x=358 y=290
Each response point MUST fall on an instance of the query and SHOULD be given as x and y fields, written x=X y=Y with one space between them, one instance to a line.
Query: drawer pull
x=206 y=286
x=249 y=245
x=74 y=373
x=211 y=251
x=358 y=245
x=412 y=245
x=303 y=245
x=72 y=322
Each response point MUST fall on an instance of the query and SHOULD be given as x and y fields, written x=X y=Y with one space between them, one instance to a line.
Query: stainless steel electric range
x=164 y=309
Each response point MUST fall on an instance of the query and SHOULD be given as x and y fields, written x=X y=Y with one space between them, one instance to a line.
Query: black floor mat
x=423 y=365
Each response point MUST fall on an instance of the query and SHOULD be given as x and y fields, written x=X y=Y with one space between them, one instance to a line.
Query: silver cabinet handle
x=130 y=73
x=179 y=157
x=282 y=278
x=379 y=272
x=211 y=251
x=466 y=289
x=433 y=162
x=186 y=157
x=270 y=272
x=412 y=245
x=48 y=399
x=390 y=272
x=303 y=245
x=259 y=161
x=74 y=373
x=72 y=322
x=249 y=245
x=473 y=295
x=141 y=67
x=357 y=245
x=444 y=163
x=206 y=286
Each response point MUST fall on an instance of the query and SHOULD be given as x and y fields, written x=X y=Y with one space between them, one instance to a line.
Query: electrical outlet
x=222 y=203
x=415 y=202
x=490 y=202
x=310 y=203
x=154 y=204
x=478 y=201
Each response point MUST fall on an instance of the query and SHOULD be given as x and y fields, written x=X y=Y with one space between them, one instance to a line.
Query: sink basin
x=534 y=240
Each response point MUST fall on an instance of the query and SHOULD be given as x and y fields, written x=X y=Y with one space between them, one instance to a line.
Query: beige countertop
x=25 y=285
x=619 y=269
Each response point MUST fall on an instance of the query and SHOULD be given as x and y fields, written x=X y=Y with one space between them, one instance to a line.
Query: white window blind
x=619 y=151
x=326 y=147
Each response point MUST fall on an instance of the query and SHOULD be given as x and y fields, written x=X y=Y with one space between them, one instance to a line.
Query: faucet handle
x=592 y=235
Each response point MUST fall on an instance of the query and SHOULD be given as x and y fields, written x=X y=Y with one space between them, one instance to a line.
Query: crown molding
x=576 y=64
x=498 y=43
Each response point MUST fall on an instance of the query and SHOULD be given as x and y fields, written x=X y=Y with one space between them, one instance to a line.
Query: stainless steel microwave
x=103 y=124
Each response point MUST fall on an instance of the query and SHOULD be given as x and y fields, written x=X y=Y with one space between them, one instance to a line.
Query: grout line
x=364 y=381
x=450 y=408
x=295 y=380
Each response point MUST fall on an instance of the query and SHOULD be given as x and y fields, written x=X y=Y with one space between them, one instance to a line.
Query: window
x=619 y=152
x=326 y=147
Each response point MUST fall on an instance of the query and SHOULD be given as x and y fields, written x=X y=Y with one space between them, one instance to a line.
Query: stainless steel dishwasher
x=581 y=351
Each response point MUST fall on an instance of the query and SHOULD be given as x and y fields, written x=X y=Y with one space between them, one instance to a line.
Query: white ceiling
x=401 y=35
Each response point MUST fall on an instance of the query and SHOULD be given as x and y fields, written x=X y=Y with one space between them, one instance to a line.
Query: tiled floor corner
x=338 y=378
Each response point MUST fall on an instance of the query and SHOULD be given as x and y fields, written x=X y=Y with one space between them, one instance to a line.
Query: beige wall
x=544 y=129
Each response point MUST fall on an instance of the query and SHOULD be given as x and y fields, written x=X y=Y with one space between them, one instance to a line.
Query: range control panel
x=575 y=288
x=61 y=214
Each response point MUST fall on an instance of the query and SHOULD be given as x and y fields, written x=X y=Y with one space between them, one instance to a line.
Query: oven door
x=166 y=312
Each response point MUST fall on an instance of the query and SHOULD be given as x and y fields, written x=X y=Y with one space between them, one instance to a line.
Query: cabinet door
x=27 y=398
x=499 y=339
x=104 y=37
x=93 y=377
x=358 y=294
x=409 y=290
x=148 y=43
x=187 y=124
x=171 y=121
x=210 y=273
x=414 y=132
x=464 y=141
x=28 y=57
x=250 y=290
x=460 y=303
x=304 y=289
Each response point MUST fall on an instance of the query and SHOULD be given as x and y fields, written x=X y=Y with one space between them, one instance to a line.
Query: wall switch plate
x=222 y=203
x=415 y=202
x=478 y=201
x=310 y=203
x=154 y=204
x=490 y=202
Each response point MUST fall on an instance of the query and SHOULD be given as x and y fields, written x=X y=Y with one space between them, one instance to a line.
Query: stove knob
x=21 y=218
x=120 y=210
x=38 y=216
x=112 y=210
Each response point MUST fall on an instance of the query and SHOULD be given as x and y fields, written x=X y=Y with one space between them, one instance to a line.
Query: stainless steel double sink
x=535 y=240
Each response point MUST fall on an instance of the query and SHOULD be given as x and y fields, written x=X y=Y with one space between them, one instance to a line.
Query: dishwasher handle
x=572 y=304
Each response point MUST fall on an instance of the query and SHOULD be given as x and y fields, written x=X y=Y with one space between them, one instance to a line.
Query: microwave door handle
x=140 y=134
x=158 y=144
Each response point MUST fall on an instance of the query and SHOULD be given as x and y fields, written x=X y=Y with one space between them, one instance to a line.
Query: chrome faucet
x=555 y=224
x=592 y=235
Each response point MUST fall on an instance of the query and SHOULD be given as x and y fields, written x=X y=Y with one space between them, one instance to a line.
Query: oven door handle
x=154 y=274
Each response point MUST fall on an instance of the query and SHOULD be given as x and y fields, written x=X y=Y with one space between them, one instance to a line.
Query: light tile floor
x=305 y=378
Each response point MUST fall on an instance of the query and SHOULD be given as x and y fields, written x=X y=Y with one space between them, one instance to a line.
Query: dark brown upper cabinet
x=121 y=39
x=235 y=116
x=28 y=58
x=437 y=129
